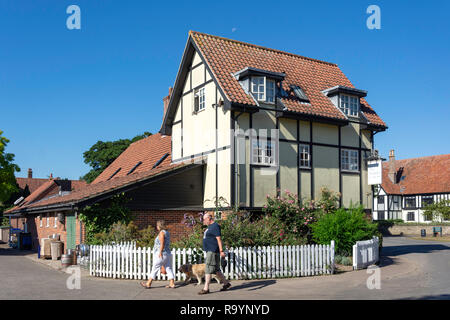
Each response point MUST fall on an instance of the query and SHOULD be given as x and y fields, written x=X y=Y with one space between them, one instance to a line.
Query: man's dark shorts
x=212 y=262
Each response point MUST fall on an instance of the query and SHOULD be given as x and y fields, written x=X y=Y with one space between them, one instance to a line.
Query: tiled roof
x=226 y=57
x=148 y=151
x=32 y=183
x=419 y=175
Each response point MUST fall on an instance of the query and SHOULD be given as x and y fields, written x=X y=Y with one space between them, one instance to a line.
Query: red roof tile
x=148 y=151
x=32 y=183
x=226 y=57
x=420 y=175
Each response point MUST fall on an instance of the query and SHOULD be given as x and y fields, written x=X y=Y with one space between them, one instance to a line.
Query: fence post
x=332 y=256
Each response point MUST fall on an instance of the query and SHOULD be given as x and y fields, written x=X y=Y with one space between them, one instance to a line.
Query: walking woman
x=162 y=256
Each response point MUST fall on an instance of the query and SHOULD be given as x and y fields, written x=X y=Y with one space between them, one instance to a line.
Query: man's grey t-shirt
x=209 y=238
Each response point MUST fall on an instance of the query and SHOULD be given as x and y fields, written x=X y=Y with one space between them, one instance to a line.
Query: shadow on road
x=436 y=297
x=7 y=251
x=393 y=251
x=254 y=285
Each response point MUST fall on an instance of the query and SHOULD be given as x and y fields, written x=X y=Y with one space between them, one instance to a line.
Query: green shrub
x=100 y=217
x=345 y=227
x=242 y=230
x=4 y=222
x=121 y=232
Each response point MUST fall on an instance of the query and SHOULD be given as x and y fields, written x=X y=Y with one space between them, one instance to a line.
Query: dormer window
x=349 y=105
x=263 y=89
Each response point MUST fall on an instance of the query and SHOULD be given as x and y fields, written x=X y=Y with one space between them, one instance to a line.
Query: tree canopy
x=438 y=210
x=7 y=170
x=102 y=154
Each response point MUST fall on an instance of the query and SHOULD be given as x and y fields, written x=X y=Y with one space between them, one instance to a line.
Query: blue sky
x=63 y=90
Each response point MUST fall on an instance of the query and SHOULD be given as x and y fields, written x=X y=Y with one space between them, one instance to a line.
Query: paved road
x=410 y=269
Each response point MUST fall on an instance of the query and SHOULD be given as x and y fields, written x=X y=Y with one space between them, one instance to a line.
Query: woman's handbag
x=163 y=270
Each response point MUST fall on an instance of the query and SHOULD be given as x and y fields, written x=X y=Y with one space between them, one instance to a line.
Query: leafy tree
x=438 y=211
x=8 y=184
x=102 y=154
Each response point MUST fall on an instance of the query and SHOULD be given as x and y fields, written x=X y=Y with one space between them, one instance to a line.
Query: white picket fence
x=125 y=261
x=365 y=253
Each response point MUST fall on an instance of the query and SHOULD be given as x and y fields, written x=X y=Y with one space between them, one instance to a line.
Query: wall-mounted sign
x=374 y=172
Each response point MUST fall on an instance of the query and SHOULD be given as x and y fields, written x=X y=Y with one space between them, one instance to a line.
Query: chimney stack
x=392 y=171
x=166 y=101
x=30 y=173
x=51 y=176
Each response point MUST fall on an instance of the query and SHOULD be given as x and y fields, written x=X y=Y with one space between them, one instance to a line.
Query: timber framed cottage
x=325 y=126
x=241 y=122
x=409 y=185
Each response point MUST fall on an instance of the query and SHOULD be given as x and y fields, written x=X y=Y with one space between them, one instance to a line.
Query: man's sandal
x=225 y=287
x=144 y=284
x=204 y=291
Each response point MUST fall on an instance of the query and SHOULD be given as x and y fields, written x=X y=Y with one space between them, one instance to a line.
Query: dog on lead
x=195 y=270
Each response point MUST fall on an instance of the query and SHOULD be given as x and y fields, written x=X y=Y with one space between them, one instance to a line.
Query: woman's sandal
x=144 y=284
x=203 y=291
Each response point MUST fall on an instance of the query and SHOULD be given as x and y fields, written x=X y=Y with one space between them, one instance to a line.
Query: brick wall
x=414 y=230
x=173 y=220
x=44 y=230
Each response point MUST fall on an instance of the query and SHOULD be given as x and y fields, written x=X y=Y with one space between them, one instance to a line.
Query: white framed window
x=410 y=202
x=56 y=221
x=258 y=86
x=270 y=94
x=262 y=152
x=48 y=220
x=349 y=160
x=263 y=89
x=199 y=100
x=40 y=221
x=349 y=105
x=304 y=156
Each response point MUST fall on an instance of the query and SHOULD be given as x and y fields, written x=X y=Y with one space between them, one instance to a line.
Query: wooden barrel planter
x=66 y=260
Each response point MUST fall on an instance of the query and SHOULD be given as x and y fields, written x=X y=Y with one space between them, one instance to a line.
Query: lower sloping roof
x=102 y=190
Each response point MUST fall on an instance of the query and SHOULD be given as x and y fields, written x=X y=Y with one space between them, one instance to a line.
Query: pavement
x=408 y=269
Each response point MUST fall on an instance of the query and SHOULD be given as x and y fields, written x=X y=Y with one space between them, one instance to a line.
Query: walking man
x=212 y=244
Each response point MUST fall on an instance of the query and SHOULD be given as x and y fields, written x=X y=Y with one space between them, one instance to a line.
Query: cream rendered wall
x=176 y=141
x=325 y=133
x=365 y=139
x=288 y=129
x=224 y=171
x=305 y=184
x=198 y=76
x=210 y=181
x=196 y=59
x=187 y=83
x=264 y=119
x=243 y=152
x=264 y=184
x=350 y=189
x=304 y=131
x=199 y=131
x=350 y=135
x=288 y=167
x=199 y=128
x=367 y=194
x=326 y=169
